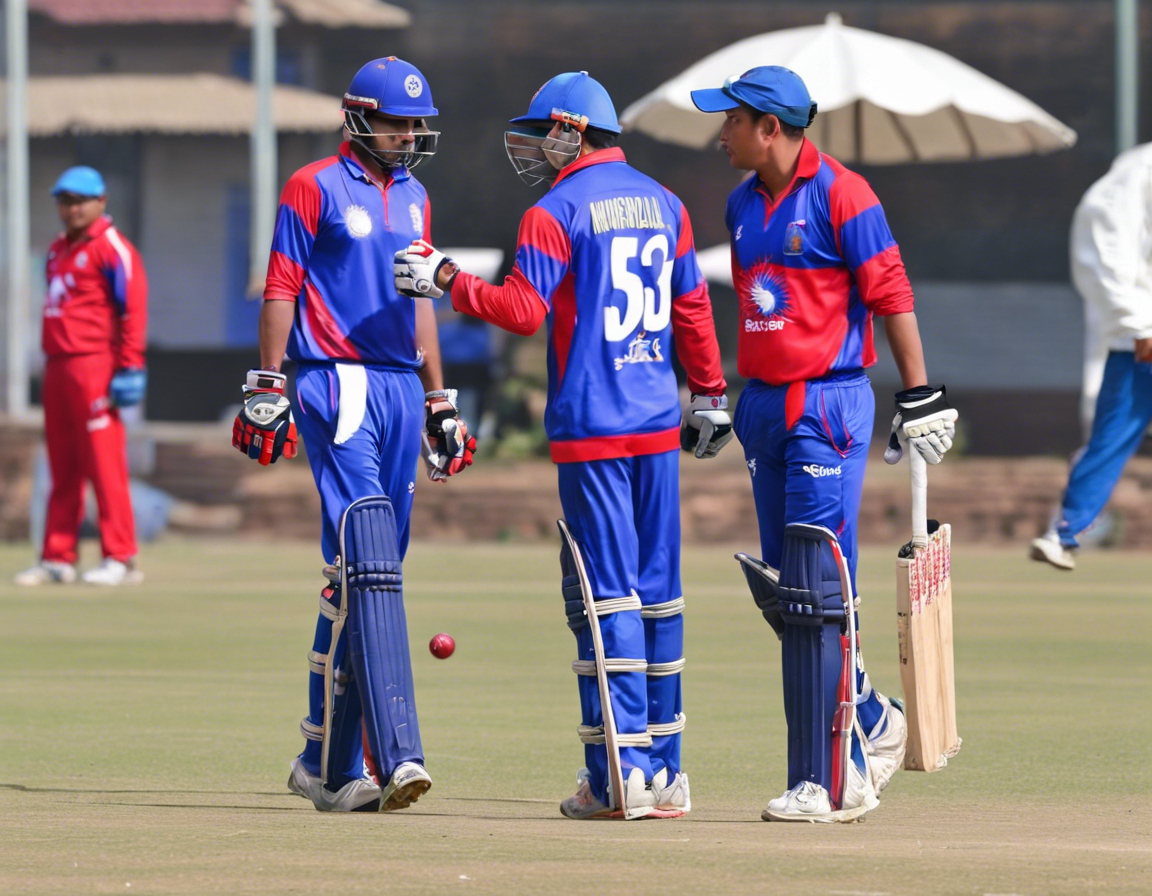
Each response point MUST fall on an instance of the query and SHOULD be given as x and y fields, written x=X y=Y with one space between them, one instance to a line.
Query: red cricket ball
x=442 y=646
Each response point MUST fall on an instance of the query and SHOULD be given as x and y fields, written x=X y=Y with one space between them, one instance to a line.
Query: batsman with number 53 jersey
x=366 y=356
x=606 y=259
x=813 y=260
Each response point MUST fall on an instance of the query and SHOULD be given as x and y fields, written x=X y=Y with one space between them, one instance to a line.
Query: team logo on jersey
x=417 y=217
x=739 y=232
x=358 y=221
x=764 y=298
x=641 y=350
x=794 y=238
x=413 y=85
x=58 y=294
x=82 y=259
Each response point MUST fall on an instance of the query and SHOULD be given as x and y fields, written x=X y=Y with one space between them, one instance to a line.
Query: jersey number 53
x=651 y=306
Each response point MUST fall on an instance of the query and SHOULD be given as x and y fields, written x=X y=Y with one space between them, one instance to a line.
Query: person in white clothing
x=1111 y=256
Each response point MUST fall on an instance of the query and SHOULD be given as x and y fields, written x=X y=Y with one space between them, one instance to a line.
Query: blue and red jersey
x=810 y=269
x=607 y=258
x=337 y=231
x=97 y=299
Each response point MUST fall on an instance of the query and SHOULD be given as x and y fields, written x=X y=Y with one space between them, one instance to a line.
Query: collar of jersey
x=809 y=164
x=94 y=230
x=599 y=157
x=357 y=170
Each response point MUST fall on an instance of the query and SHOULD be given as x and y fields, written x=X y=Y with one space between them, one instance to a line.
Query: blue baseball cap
x=578 y=95
x=766 y=88
x=81 y=180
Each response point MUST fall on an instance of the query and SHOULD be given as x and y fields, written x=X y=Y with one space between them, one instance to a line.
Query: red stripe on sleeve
x=686 y=242
x=284 y=278
x=848 y=196
x=883 y=283
x=541 y=231
x=696 y=347
x=302 y=195
x=515 y=306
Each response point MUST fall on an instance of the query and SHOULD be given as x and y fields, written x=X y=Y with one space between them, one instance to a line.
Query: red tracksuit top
x=97 y=297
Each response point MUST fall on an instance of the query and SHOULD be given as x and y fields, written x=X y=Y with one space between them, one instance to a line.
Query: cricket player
x=1111 y=254
x=95 y=318
x=813 y=260
x=368 y=381
x=606 y=258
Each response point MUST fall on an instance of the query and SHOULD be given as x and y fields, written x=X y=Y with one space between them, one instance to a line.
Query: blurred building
x=985 y=243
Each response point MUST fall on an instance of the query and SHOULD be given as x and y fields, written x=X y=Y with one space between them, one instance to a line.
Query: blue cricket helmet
x=390 y=86
x=582 y=98
x=395 y=88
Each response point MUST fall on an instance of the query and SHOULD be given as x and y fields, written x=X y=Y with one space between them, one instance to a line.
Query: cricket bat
x=924 y=627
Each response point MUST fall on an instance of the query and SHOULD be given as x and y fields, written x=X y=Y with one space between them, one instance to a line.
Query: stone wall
x=987 y=500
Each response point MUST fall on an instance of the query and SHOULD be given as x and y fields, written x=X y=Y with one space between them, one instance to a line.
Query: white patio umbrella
x=882 y=100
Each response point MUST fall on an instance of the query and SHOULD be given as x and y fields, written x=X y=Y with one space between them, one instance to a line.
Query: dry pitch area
x=146 y=735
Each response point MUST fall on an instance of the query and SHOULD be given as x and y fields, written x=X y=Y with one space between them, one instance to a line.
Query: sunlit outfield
x=146 y=735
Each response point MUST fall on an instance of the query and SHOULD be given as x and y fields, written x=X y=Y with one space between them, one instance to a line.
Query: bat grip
x=919 y=468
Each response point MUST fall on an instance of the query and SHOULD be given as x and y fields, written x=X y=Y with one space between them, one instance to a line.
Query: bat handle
x=919 y=468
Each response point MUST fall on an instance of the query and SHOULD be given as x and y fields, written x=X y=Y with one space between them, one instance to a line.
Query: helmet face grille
x=423 y=147
x=525 y=149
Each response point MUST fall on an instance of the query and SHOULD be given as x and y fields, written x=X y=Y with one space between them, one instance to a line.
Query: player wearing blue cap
x=812 y=261
x=368 y=381
x=606 y=259
x=95 y=317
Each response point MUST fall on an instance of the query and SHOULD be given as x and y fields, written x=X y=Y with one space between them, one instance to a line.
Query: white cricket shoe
x=1048 y=549
x=672 y=799
x=809 y=802
x=886 y=744
x=47 y=572
x=302 y=782
x=408 y=783
x=361 y=795
x=583 y=805
x=113 y=572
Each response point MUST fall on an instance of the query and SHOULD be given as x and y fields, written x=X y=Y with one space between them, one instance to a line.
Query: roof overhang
x=325 y=13
x=168 y=104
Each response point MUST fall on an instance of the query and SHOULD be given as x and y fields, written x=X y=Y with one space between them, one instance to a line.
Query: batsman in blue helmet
x=606 y=259
x=371 y=400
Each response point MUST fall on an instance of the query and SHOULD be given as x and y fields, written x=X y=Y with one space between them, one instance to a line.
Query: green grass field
x=146 y=735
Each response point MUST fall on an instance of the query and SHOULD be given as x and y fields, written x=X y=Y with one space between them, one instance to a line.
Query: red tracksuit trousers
x=85 y=438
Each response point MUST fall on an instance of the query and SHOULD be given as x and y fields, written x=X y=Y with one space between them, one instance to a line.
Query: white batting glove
x=416 y=268
x=925 y=420
x=707 y=427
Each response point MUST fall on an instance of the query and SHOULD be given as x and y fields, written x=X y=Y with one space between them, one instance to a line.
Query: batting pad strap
x=317 y=661
x=594 y=734
x=659 y=670
x=608 y=605
x=611 y=664
x=327 y=610
x=310 y=731
x=660 y=611
x=667 y=729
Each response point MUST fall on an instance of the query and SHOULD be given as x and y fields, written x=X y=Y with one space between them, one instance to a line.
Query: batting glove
x=925 y=420
x=447 y=447
x=127 y=387
x=265 y=429
x=706 y=427
x=416 y=269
